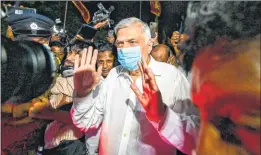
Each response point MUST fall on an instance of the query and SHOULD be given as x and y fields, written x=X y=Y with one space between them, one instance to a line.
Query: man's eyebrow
x=129 y=39
x=132 y=39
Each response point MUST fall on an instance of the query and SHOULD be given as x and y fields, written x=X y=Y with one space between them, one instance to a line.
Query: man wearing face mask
x=133 y=122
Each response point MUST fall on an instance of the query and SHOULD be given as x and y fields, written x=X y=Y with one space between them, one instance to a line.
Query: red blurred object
x=11 y=136
x=83 y=10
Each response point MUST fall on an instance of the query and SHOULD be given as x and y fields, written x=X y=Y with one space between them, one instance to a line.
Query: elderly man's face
x=133 y=36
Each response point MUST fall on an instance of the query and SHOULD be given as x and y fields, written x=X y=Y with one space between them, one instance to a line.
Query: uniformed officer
x=30 y=26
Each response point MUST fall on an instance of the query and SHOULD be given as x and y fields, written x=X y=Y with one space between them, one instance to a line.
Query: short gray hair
x=129 y=21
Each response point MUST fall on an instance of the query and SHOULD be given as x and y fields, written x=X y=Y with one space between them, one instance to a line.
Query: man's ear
x=155 y=38
x=150 y=45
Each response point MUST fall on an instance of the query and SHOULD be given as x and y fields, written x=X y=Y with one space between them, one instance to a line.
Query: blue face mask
x=129 y=57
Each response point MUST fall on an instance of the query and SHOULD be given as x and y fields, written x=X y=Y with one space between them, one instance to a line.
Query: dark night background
x=170 y=14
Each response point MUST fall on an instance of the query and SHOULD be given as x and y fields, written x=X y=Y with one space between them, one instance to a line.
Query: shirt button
x=125 y=135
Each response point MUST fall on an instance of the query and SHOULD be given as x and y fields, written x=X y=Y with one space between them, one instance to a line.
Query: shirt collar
x=153 y=65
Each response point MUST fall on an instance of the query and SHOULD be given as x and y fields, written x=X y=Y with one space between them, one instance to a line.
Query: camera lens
x=28 y=70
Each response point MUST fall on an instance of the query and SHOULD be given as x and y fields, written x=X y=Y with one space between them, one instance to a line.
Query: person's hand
x=150 y=99
x=7 y=108
x=39 y=107
x=175 y=38
x=85 y=75
x=20 y=110
x=101 y=24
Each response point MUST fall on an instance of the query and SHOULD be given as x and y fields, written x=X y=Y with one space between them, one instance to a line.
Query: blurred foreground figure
x=228 y=95
x=226 y=75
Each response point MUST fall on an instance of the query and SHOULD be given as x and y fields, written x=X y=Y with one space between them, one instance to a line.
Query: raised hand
x=175 y=38
x=150 y=99
x=85 y=75
x=101 y=24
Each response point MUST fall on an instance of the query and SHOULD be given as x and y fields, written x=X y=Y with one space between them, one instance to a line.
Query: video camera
x=28 y=69
x=102 y=14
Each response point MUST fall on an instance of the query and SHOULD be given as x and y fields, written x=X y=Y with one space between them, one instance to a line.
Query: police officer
x=30 y=26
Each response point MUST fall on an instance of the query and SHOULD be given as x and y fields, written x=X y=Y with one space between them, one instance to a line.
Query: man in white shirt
x=138 y=116
x=107 y=59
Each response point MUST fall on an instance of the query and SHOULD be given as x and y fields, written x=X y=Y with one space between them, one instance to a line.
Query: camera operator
x=26 y=27
x=33 y=27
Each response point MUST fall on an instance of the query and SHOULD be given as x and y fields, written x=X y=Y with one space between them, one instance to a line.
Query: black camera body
x=28 y=70
x=102 y=14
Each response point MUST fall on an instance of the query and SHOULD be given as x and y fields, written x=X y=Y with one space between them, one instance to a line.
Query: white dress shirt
x=187 y=75
x=93 y=135
x=125 y=127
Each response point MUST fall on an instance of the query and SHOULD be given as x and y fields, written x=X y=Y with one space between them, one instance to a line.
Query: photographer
x=33 y=27
x=25 y=27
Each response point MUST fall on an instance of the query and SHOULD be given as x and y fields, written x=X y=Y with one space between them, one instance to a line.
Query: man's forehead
x=131 y=32
x=106 y=55
x=126 y=37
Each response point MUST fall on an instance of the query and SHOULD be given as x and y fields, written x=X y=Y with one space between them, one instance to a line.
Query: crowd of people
x=130 y=94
